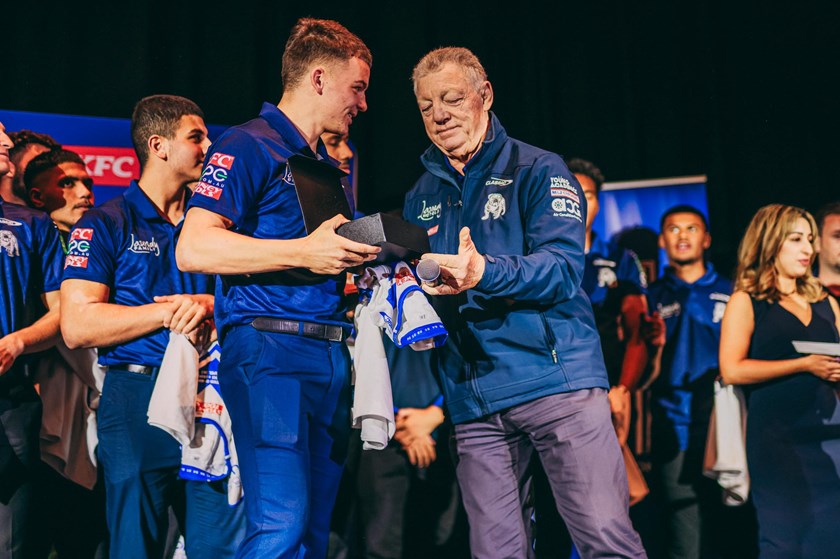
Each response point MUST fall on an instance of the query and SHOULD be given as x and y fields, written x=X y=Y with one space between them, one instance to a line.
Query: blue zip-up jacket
x=526 y=330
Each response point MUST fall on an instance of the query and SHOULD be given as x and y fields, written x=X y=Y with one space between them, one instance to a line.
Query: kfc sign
x=109 y=166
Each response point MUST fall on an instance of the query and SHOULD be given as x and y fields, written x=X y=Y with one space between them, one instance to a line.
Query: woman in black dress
x=793 y=420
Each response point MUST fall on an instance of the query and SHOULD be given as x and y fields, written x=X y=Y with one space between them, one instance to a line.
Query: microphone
x=428 y=271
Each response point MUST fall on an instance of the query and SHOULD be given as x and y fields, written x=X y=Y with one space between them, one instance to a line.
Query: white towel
x=391 y=301
x=373 y=402
x=726 y=457
x=172 y=406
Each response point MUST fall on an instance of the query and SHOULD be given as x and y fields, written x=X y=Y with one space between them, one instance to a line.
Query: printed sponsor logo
x=724 y=297
x=498 y=182
x=428 y=213
x=11 y=222
x=78 y=247
x=204 y=408
x=562 y=182
x=82 y=234
x=139 y=246
x=495 y=207
x=404 y=275
x=222 y=160
x=214 y=175
x=208 y=190
x=76 y=261
x=109 y=165
x=562 y=193
x=9 y=243
x=432 y=230
x=564 y=207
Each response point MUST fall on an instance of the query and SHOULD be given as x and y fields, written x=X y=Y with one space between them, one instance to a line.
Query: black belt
x=305 y=329
x=138 y=369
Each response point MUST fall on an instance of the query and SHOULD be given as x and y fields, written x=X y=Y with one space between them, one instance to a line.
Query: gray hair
x=459 y=56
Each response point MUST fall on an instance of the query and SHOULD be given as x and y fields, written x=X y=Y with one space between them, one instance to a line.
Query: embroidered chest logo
x=495 y=206
x=667 y=311
x=9 y=243
x=493 y=181
x=428 y=213
x=139 y=246
x=287 y=176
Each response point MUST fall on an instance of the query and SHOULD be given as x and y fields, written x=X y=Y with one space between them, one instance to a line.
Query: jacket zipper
x=549 y=338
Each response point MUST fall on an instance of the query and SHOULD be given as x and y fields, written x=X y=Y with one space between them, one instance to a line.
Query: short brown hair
x=161 y=115
x=460 y=56
x=760 y=247
x=313 y=40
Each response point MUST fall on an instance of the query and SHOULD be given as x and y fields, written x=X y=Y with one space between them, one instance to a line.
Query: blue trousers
x=288 y=398
x=573 y=436
x=141 y=466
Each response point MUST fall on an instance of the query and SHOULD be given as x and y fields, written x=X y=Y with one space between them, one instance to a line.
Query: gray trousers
x=573 y=435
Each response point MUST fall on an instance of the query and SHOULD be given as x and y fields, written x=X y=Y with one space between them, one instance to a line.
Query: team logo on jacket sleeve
x=495 y=206
x=9 y=243
x=214 y=175
x=78 y=249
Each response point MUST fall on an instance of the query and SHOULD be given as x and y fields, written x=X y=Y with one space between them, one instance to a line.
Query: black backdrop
x=744 y=92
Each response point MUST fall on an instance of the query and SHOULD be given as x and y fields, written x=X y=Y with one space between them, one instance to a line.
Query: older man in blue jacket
x=523 y=370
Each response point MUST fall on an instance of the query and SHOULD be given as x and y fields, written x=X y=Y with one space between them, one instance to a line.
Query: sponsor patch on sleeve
x=564 y=207
x=78 y=249
x=215 y=174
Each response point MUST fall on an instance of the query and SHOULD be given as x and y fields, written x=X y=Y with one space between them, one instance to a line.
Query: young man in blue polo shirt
x=121 y=292
x=30 y=267
x=690 y=297
x=279 y=308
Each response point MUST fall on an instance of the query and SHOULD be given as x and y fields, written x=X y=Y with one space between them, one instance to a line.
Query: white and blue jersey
x=246 y=179
x=30 y=265
x=129 y=246
x=692 y=313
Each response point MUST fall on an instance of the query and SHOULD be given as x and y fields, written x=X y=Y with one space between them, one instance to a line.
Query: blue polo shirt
x=246 y=179
x=610 y=274
x=129 y=246
x=30 y=265
x=692 y=313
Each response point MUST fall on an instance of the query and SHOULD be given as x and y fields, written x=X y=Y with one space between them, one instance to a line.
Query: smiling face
x=684 y=238
x=344 y=84
x=455 y=112
x=797 y=251
x=65 y=192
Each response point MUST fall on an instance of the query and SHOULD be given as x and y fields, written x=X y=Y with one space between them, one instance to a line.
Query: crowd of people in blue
x=565 y=367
